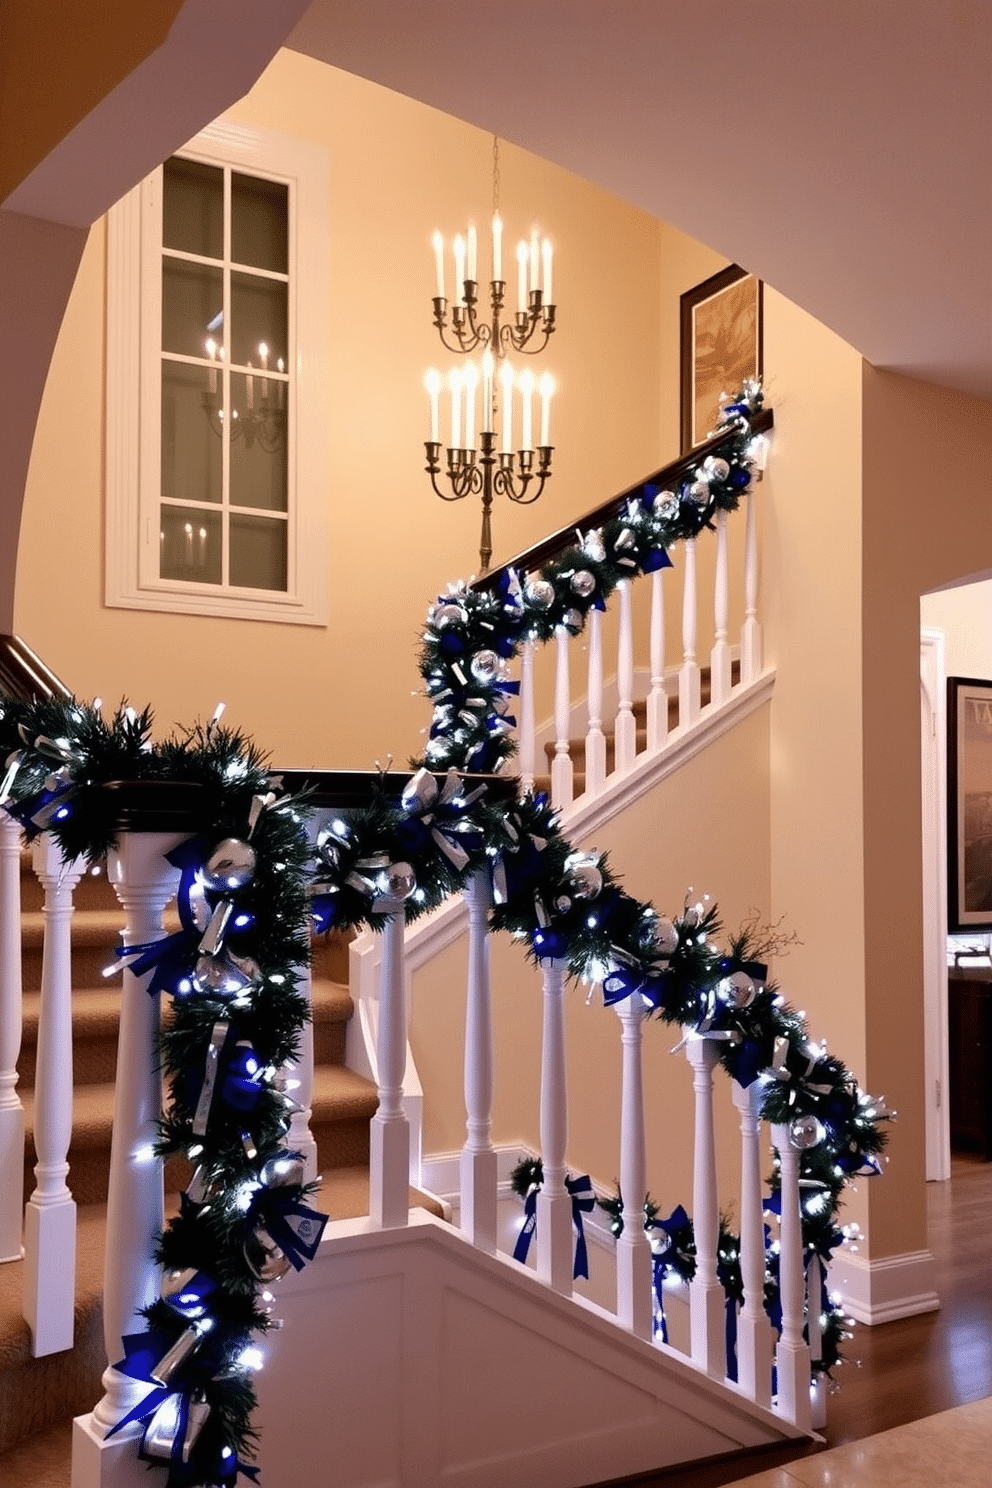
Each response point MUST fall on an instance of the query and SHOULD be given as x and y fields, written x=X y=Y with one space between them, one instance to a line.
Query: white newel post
x=144 y=883
x=389 y=1135
x=478 y=1159
x=751 y=646
x=657 y=697
x=527 y=729
x=635 y=1308
x=792 y=1356
x=720 y=652
x=689 y=675
x=706 y=1297
x=595 y=738
x=554 y=1203
x=11 y=1110
x=755 y=1341
x=625 y=735
x=299 y=1085
x=50 y=1216
x=561 y=765
x=814 y=1328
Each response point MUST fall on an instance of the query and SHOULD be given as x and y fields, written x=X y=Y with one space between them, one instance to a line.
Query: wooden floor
x=906 y=1370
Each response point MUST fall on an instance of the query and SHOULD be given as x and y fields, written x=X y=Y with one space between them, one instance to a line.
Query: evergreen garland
x=252 y=887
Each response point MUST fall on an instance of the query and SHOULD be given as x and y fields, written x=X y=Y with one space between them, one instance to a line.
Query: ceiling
x=839 y=150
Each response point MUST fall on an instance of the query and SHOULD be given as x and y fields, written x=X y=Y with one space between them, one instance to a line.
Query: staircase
x=38 y=1397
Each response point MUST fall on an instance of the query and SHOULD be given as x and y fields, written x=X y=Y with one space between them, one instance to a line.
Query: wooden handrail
x=668 y=476
x=25 y=676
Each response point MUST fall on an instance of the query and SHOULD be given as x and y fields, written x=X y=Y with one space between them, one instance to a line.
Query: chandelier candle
x=474 y=466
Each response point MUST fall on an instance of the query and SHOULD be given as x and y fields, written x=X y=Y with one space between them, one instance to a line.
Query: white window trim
x=133 y=400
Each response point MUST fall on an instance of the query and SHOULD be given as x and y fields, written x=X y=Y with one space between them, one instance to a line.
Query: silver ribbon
x=421 y=797
x=213 y=935
x=211 y=1065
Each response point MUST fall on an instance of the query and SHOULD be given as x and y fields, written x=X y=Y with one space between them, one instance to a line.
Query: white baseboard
x=881 y=1291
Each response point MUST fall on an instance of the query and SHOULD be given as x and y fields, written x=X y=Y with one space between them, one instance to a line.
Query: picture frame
x=969 y=805
x=721 y=343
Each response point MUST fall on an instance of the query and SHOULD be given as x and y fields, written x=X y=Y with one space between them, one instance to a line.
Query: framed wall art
x=721 y=344
x=969 y=805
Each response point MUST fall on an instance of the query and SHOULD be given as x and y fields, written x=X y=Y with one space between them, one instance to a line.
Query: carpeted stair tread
x=96 y=1011
x=90 y=927
x=344 y=1194
x=41 y=1461
x=341 y=1094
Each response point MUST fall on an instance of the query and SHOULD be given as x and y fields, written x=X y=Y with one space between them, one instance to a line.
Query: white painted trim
x=933 y=737
x=881 y=1291
x=133 y=400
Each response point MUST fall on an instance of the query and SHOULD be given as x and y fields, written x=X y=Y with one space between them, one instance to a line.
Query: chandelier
x=262 y=420
x=474 y=465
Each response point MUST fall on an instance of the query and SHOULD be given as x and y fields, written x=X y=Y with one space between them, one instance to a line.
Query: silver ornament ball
x=737 y=989
x=282 y=1171
x=592 y=546
x=698 y=493
x=224 y=975
x=805 y=1132
x=541 y=593
x=449 y=614
x=583 y=584
x=231 y=865
x=399 y=881
x=563 y=904
x=585 y=880
x=485 y=666
x=264 y=1259
x=662 y=937
x=717 y=469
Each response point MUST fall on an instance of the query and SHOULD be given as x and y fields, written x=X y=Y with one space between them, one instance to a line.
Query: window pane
x=259 y=223
x=191 y=446
x=258 y=318
x=258 y=553
x=192 y=300
x=259 y=467
x=193 y=207
x=190 y=544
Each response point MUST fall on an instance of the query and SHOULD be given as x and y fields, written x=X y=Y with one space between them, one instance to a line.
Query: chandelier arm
x=465 y=479
x=505 y=483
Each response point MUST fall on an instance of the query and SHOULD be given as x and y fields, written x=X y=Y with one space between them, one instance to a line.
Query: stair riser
x=88 y=963
x=94 y=1061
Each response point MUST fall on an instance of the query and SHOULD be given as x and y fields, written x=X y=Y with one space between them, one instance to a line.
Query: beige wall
x=927 y=521
x=397 y=170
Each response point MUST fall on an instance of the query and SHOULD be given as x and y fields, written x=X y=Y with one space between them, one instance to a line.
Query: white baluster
x=755 y=1340
x=625 y=731
x=751 y=645
x=634 y=1296
x=527 y=729
x=706 y=1296
x=389 y=1137
x=554 y=1203
x=50 y=1216
x=595 y=738
x=144 y=883
x=561 y=765
x=299 y=1085
x=689 y=676
x=657 y=697
x=792 y=1353
x=11 y=1110
x=814 y=1329
x=478 y=1159
x=720 y=653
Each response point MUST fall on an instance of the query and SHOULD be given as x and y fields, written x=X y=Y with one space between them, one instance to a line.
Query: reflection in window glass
x=191 y=446
x=259 y=458
x=258 y=552
x=258 y=319
x=192 y=300
x=191 y=540
x=193 y=207
x=259 y=223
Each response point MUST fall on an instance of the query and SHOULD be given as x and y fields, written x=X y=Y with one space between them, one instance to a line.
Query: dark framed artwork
x=969 y=804
x=721 y=344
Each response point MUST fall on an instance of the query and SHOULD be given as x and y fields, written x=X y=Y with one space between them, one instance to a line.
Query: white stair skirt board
x=477 y=1375
x=884 y=1290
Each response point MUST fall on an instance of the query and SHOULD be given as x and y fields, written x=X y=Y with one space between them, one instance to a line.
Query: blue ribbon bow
x=583 y=1202
x=172 y=958
x=293 y=1226
x=653 y=983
